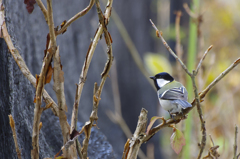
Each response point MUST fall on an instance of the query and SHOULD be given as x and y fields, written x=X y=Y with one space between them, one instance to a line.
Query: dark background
x=28 y=32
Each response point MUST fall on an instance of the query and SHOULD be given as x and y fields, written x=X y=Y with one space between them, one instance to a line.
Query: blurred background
x=138 y=54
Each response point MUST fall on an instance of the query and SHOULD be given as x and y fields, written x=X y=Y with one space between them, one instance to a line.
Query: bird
x=172 y=95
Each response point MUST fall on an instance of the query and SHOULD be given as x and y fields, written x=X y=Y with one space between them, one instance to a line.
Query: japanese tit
x=172 y=94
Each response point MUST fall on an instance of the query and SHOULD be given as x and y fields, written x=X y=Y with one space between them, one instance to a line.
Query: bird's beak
x=152 y=77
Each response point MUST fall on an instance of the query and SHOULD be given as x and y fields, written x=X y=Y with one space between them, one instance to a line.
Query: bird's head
x=161 y=79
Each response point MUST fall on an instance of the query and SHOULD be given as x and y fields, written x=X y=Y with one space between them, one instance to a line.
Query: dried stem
x=188 y=10
x=159 y=34
x=85 y=68
x=197 y=97
x=138 y=136
x=197 y=101
x=179 y=48
x=12 y=124
x=75 y=17
x=98 y=90
x=58 y=82
x=116 y=117
x=235 y=143
x=203 y=57
x=23 y=67
x=43 y=8
x=40 y=86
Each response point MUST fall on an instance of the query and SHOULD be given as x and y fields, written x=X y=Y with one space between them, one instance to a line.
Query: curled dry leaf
x=47 y=44
x=49 y=74
x=30 y=5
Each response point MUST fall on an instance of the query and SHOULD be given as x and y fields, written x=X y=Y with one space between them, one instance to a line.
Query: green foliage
x=177 y=140
x=156 y=63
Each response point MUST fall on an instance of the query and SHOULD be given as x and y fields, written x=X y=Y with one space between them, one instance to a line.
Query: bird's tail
x=184 y=104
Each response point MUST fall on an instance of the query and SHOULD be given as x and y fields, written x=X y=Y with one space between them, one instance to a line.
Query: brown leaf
x=30 y=5
x=62 y=24
x=49 y=74
x=47 y=44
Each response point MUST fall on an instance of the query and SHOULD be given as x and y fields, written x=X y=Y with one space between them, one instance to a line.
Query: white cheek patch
x=162 y=82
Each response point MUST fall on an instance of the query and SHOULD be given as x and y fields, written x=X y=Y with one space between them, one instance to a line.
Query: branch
x=235 y=143
x=75 y=17
x=179 y=48
x=203 y=57
x=136 y=141
x=59 y=82
x=159 y=34
x=188 y=10
x=12 y=124
x=85 y=68
x=98 y=90
x=197 y=101
x=43 y=8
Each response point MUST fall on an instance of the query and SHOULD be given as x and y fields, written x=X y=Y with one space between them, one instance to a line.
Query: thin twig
x=197 y=101
x=40 y=86
x=43 y=8
x=58 y=81
x=179 y=48
x=12 y=124
x=159 y=34
x=203 y=57
x=85 y=68
x=75 y=17
x=98 y=90
x=186 y=111
x=235 y=143
x=26 y=72
x=216 y=80
x=188 y=10
x=211 y=139
x=79 y=147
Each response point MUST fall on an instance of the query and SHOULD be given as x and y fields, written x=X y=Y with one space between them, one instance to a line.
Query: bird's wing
x=177 y=95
